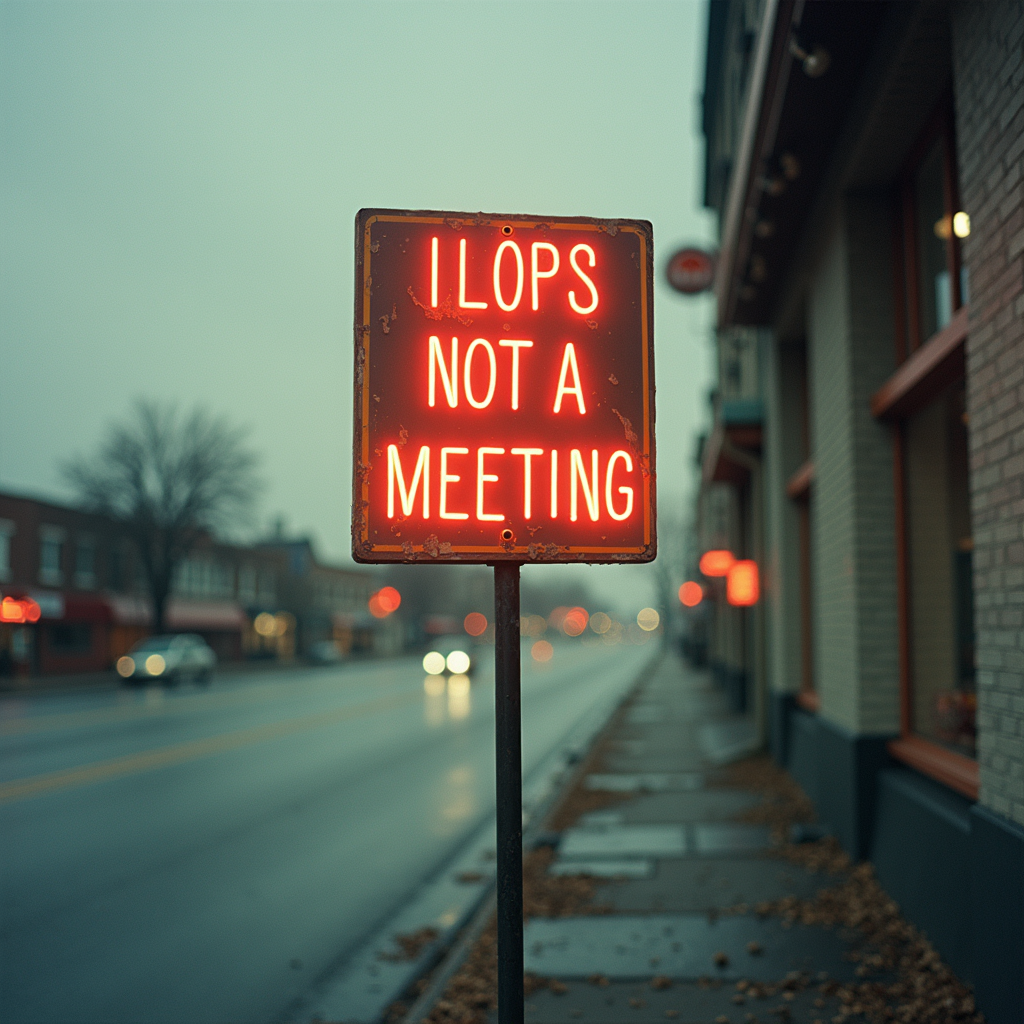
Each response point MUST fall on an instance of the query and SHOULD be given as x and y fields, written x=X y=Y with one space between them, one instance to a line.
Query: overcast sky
x=178 y=183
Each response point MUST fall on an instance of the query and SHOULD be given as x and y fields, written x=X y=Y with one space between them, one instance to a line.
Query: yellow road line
x=148 y=760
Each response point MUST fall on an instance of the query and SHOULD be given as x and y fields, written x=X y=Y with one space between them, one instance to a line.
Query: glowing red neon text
x=585 y=481
x=545 y=263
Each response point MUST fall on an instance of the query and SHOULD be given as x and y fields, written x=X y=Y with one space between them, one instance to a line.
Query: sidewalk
x=670 y=891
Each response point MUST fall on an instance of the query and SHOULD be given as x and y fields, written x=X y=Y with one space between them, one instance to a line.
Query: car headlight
x=155 y=664
x=125 y=666
x=458 y=662
x=433 y=663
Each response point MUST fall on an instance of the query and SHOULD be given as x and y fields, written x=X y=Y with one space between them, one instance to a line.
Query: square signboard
x=504 y=389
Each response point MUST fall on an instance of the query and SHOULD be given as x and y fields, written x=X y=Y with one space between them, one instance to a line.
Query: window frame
x=926 y=367
x=798 y=489
x=56 y=536
x=7 y=532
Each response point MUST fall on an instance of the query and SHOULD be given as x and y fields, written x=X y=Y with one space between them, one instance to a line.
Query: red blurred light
x=389 y=599
x=691 y=594
x=575 y=621
x=742 y=585
x=376 y=608
x=716 y=563
x=542 y=651
x=475 y=623
x=14 y=610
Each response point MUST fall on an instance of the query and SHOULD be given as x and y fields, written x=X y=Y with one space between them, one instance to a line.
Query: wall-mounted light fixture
x=815 y=61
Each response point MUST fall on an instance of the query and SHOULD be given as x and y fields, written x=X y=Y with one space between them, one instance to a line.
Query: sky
x=179 y=181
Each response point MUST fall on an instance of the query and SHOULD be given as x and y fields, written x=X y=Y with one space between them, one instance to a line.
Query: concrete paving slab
x=633 y=868
x=730 y=837
x=601 y=819
x=651 y=782
x=706 y=805
x=620 y=1002
x=623 y=841
x=680 y=946
x=725 y=742
x=700 y=884
x=670 y=763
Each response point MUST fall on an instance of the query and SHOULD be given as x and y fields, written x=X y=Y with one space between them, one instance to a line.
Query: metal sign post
x=509 y=792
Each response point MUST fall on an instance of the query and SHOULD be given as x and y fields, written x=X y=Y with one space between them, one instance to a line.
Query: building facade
x=867 y=165
x=90 y=601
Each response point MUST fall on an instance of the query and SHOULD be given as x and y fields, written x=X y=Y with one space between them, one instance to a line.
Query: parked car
x=451 y=654
x=168 y=659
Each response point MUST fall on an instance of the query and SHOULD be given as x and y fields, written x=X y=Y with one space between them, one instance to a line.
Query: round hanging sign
x=691 y=271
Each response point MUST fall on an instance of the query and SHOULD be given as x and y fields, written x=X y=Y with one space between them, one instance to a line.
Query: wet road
x=204 y=855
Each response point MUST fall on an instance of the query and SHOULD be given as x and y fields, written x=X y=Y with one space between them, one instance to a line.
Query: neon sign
x=743 y=586
x=17 y=610
x=504 y=389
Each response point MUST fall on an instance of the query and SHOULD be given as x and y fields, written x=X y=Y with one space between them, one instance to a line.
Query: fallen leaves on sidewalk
x=472 y=993
x=925 y=989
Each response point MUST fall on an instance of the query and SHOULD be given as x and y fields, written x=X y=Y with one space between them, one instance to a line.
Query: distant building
x=82 y=575
x=330 y=603
x=867 y=443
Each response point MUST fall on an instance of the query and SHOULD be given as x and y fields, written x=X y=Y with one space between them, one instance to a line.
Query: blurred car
x=168 y=659
x=323 y=652
x=449 y=654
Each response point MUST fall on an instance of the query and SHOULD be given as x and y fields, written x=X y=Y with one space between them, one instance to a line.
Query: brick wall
x=988 y=47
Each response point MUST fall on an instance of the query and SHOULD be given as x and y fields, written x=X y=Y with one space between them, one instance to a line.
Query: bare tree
x=167 y=480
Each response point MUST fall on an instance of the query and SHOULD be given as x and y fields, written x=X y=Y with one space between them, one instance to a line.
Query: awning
x=734 y=443
x=58 y=606
x=180 y=614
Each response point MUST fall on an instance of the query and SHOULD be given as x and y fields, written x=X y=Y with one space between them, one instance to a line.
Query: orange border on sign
x=505 y=553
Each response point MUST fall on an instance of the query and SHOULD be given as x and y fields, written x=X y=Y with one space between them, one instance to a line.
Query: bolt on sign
x=504 y=389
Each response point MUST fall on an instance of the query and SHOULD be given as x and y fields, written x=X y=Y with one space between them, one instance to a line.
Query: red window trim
x=809 y=700
x=798 y=488
x=930 y=369
x=799 y=484
x=926 y=369
x=955 y=770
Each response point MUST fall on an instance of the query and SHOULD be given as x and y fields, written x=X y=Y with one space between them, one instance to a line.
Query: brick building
x=329 y=604
x=867 y=443
x=82 y=574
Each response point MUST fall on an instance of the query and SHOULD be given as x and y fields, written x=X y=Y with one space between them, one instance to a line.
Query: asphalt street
x=204 y=855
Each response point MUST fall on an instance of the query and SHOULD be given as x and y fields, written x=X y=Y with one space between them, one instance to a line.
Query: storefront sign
x=691 y=271
x=504 y=386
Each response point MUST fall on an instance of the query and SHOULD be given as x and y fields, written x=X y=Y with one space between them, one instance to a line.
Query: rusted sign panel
x=504 y=389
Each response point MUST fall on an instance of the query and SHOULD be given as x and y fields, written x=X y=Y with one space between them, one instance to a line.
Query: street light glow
x=648 y=619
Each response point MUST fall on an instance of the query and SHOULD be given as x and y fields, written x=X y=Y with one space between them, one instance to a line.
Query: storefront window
x=934 y=226
x=85 y=563
x=940 y=587
x=51 y=541
x=6 y=534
